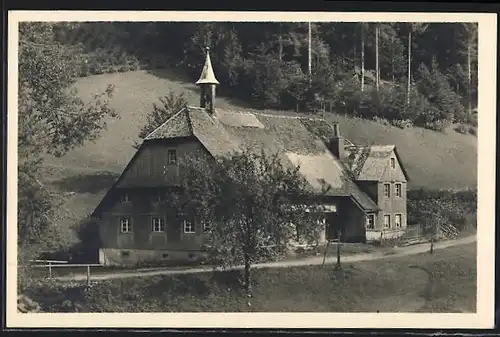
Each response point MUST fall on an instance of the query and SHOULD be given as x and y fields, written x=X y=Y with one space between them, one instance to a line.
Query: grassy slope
x=432 y=159
x=442 y=282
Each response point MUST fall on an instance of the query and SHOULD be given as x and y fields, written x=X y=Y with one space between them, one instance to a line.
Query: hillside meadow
x=434 y=160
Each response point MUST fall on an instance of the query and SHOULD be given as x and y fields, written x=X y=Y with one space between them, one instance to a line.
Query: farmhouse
x=367 y=198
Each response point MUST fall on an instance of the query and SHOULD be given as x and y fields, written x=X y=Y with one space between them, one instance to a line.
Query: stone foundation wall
x=130 y=257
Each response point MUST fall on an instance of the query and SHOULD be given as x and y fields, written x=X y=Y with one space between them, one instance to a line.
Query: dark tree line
x=402 y=73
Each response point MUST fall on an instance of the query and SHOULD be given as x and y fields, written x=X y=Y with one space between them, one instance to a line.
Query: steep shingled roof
x=297 y=141
x=368 y=162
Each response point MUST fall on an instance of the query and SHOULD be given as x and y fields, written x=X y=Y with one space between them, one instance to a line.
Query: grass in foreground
x=442 y=282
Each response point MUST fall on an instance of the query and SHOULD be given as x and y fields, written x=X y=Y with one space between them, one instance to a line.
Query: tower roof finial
x=207 y=75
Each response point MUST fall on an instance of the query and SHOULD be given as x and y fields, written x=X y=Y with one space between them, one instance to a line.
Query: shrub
x=438 y=125
x=457 y=208
x=402 y=123
x=382 y=120
x=462 y=128
x=473 y=131
x=472 y=119
x=123 y=68
x=134 y=64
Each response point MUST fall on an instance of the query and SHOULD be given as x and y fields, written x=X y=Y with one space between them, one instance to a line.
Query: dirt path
x=316 y=260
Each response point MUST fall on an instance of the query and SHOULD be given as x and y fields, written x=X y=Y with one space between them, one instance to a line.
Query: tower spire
x=207 y=74
x=207 y=82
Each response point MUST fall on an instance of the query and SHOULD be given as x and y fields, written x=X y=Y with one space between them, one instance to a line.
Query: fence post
x=326 y=251
x=50 y=269
x=337 y=266
x=88 y=275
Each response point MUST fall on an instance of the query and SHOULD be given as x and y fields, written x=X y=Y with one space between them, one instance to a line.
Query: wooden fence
x=50 y=264
x=413 y=232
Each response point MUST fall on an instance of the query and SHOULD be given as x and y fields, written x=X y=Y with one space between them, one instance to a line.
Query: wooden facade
x=390 y=194
x=137 y=226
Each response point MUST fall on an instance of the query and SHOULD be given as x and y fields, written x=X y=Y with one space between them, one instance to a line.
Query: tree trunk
x=409 y=68
x=355 y=51
x=248 y=277
x=392 y=59
x=280 y=42
x=377 y=66
x=280 y=49
x=338 y=266
x=362 y=58
x=469 y=79
x=309 y=61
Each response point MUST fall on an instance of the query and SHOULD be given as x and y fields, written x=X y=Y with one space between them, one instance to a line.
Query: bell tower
x=207 y=83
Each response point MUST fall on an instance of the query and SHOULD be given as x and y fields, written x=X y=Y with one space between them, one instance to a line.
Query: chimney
x=337 y=146
x=207 y=83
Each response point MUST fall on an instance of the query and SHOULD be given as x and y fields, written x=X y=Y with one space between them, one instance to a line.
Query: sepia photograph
x=326 y=164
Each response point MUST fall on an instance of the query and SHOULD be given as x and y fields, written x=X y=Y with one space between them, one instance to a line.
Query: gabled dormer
x=375 y=163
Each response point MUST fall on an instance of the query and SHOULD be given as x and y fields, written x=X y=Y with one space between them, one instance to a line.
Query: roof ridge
x=257 y=112
x=291 y=117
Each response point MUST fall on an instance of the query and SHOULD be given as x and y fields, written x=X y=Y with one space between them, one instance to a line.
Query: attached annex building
x=367 y=198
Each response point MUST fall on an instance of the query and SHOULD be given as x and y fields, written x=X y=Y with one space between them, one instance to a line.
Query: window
x=387 y=190
x=125 y=225
x=393 y=162
x=172 y=156
x=398 y=190
x=206 y=226
x=158 y=225
x=387 y=221
x=157 y=197
x=397 y=220
x=370 y=221
x=188 y=227
x=125 y=197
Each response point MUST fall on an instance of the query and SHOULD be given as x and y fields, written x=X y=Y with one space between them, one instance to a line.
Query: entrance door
x=333 y=226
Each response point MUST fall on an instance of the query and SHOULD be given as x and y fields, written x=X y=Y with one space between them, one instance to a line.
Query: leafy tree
x=298 y=89
x=457 y=76
x=445 y=102
x=171 y=103
x=392 y=59
x=269 y=77
x=434 y=210
x=52 y=121
x=324 y=87
x=230 y=60
x=253 y=203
